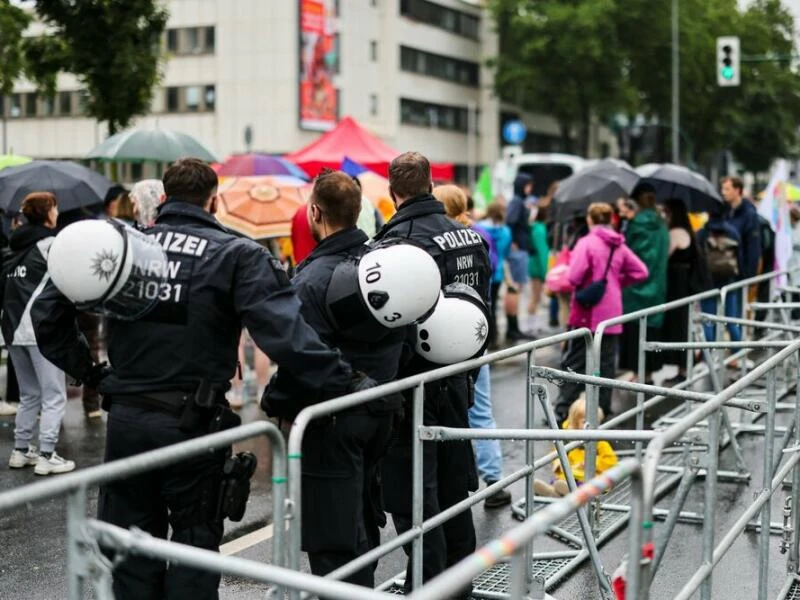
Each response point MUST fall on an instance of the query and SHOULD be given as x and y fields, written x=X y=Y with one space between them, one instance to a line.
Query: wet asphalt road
x=32 y=539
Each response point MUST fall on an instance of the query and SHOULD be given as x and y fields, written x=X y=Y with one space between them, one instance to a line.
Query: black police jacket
x=217 y=282
x=460 y=252
x=376 y=354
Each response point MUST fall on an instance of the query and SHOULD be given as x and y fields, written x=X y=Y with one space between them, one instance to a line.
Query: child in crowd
x=606 y=458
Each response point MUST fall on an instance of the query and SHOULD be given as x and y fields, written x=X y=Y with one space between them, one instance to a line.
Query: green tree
x=561 y=57
x=112 y=46
x=13 y=22
x=768 y=103
x=572 y=58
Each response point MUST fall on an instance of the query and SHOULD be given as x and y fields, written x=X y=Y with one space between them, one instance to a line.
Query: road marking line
x=246 y=541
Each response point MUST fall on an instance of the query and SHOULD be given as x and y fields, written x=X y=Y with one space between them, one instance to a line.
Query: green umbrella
x=12 y=160
x=159 y=145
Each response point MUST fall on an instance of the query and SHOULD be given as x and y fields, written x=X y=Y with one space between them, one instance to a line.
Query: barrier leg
x=709 y=510
x=688 y=478
x=794 y=549
x=784 y=443
x=76 y=562
x=588 y=536
x=766 y=511
x=637 y=568
x=527 y=555
x=642 y=377
x=716 y=383
x=417 y=487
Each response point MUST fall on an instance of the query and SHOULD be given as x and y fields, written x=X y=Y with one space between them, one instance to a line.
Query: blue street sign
x=514 y=132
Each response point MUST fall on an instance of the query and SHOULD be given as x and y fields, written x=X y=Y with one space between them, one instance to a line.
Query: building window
x=173 y=99
x=193 y=98
x=430 y=13
x=441 y=67
x=15 y=108
x=48 y=107
x=338 y=53
x=191 y=40
x=30 y=104
x=81 y=102
x=64 y=103
x=172 y=40
x=210 y=39
x=373 y=50
x=374 y=3
x=211 y=97
x=438 y=116
x=373 y=105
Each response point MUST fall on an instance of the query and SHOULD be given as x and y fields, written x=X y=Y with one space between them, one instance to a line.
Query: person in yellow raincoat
x=606 y=457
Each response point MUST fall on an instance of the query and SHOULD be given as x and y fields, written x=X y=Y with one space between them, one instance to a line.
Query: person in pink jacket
x=588 y=263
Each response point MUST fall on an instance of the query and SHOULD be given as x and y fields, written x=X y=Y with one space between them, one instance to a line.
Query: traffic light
x=728 y=61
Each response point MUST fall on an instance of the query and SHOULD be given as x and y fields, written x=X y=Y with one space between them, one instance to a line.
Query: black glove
x=95 y=374
x=361 y=381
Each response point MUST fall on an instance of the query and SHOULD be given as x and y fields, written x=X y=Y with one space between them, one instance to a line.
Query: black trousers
x=183 y=496
x=449 y=474
x=495 y=298
x=342 y=509
x=574 y=359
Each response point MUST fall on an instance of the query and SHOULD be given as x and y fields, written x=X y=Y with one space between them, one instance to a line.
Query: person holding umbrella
x=647 y=235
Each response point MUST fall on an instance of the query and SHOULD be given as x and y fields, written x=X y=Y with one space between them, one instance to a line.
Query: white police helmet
x=107 y=267
x=399 y=282
x=458 y=328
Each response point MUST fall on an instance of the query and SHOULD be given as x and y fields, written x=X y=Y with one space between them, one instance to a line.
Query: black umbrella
x=605 y=181
x=674 y=181
x=74 y=185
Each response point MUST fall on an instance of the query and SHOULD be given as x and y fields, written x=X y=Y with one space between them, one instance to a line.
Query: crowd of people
x=647 y=252
x=604 y=262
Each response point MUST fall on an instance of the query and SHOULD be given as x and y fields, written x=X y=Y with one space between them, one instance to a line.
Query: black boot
x=513 y=333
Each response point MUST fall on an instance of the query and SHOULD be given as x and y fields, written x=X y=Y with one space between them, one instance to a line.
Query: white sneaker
x=53 y=465
x=20 y=459
x=6 y=409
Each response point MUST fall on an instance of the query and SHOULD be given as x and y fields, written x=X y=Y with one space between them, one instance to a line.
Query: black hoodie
x=25 y=275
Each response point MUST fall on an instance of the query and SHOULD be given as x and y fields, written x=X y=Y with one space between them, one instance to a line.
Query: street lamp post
x=676 y=120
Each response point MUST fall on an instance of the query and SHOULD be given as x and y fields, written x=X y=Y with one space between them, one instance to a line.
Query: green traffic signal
x=727 y=73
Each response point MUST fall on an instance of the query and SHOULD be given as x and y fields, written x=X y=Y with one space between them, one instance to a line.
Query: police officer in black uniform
x=341 y=499
x=177 y=360
x=449 y=468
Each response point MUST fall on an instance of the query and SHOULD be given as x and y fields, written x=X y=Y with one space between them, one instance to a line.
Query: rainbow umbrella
x=12 y=160
x=245 y=165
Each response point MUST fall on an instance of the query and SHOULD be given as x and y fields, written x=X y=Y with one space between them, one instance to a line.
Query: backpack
x=722 y=257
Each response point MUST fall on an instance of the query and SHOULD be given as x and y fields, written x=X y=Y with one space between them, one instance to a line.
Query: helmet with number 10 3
x=107 y=267
x=399 y=283
x=457 y=329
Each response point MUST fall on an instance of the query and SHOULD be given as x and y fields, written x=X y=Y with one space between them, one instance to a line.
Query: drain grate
x=496 y=580
x=794 y=592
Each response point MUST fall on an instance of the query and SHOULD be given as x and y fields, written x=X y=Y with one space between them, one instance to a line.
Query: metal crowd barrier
x=84 y=559
x=419 y=526
x=695 y=427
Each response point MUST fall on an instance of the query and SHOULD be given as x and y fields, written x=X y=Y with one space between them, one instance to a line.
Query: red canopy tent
x=349 y=138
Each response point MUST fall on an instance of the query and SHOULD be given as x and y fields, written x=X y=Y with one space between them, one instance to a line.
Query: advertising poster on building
x=319 y=61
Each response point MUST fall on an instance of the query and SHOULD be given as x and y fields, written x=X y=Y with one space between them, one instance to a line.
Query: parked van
x=545 y=168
